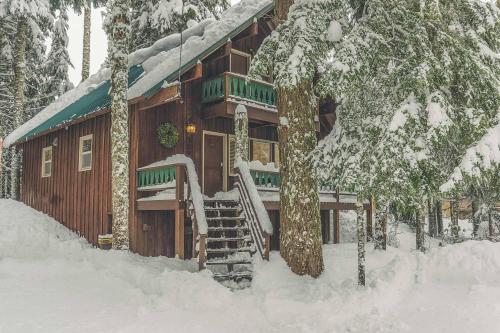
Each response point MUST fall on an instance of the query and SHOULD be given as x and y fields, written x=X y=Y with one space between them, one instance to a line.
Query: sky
x=98 y=43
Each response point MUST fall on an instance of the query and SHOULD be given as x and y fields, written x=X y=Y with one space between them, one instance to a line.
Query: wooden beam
x=158 y=205
x=336 y=239
x=179 y=211
x=164 y=95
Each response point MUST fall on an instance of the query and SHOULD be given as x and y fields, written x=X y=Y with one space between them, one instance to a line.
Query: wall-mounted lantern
x=191 y=128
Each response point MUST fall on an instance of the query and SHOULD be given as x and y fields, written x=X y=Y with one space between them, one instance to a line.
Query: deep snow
x=52 y=281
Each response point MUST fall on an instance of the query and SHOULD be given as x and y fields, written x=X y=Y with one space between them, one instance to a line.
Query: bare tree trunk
x=490 y=223
x=454 y=219
x=86 y=40
x=361 y=240
x=19 y=114
x=419 y=230
x=300 y=229
x=439 y=217
x=476 y=220
x=431 y=213
x=381 y=227
x=119 y=121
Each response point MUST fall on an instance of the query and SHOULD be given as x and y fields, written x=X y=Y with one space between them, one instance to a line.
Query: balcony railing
x=231 y=85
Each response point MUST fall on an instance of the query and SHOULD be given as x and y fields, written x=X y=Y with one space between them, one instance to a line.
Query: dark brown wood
x=79 y=200
x=213 y=164
x=179 y=211
x=165 y=95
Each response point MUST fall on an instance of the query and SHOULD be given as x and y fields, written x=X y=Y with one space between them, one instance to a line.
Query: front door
x=213 y=164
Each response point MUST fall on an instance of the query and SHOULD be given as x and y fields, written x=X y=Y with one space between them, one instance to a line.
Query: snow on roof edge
x=93 y=82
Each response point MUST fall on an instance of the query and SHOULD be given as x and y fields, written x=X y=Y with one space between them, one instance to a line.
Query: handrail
x=256 y=215
x=238 y=86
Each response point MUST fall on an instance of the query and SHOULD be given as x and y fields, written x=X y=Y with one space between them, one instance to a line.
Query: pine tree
x=416 y=86
x=58 y=60
x=155 y=19
x=119 y=17
x=292 y=56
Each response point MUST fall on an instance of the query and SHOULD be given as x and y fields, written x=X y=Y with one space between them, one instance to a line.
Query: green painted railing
x=267 y=179
x=238 y=86
x=273 y=179
x=157 y=176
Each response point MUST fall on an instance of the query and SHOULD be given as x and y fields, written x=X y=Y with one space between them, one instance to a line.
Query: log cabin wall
x=80 y=200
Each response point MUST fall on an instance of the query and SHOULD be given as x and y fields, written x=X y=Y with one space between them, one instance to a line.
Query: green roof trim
x=98 y=99
x=208 y=51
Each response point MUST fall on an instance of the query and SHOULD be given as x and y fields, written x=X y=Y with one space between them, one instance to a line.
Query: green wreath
x=167 y=135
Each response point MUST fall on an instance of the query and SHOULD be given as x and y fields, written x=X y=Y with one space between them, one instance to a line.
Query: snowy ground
x=51 y=281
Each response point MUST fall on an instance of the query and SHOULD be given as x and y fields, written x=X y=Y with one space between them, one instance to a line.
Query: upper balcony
x=221 y=95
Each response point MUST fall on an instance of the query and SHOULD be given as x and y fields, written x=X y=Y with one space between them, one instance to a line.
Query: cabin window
x=85 y=162
x=47 y=162
x=265 y=152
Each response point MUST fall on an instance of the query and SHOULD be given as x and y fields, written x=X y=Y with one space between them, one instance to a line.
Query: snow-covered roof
x=149 y=68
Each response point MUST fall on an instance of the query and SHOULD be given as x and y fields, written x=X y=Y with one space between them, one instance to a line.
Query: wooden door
x=213 y=164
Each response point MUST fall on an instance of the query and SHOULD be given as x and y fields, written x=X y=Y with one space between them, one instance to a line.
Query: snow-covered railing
x=256 y=214
x=184 y=164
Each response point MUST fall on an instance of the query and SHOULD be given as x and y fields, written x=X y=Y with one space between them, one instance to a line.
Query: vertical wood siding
x=80 y=201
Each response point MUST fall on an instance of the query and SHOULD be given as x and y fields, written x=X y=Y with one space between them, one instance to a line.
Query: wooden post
x=201 y=255
x=267 y=246
x=336 y=238
x=179 y=211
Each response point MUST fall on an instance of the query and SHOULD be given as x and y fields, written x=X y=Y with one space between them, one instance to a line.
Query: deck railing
x=231 y=85
x=155 y=176
x=272 y=179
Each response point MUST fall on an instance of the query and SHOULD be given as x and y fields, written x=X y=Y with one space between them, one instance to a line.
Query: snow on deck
x=53 y=281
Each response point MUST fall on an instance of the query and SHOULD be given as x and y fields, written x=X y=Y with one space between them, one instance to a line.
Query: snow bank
x=165 y=64
x=53 y=281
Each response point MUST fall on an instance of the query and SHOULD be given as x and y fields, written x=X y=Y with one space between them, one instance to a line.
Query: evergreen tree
x=31 y=16
x=417 y=84
x=119 y=30
x=292 y=56
x=58 y=60
x=155 y=19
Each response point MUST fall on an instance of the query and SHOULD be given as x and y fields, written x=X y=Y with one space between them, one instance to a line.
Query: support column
x=179 y=211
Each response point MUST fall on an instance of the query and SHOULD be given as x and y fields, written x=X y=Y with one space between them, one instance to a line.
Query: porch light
x=191 y=128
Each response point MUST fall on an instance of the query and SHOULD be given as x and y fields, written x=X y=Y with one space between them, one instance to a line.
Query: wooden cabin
x=67 y=159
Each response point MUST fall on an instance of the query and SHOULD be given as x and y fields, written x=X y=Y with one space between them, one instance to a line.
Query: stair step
x=233 y=276
x=223 y=239
x=223 y=209
x=225 y=218
x=235 y=261
x=242 y=228
x=228 y=250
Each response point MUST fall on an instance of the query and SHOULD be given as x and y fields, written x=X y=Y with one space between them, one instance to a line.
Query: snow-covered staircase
x=229 y=245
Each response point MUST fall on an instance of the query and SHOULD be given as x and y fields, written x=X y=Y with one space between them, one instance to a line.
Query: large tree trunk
x=361 y=225
x=300 y=224
x=381 y=227
x=86 y=40
x=119 y=121
x=19 y=114
x=454 y=220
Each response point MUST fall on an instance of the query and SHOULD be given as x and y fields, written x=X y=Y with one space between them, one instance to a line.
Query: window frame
x=45 y=162
x=274 y=149
x=81 y=153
